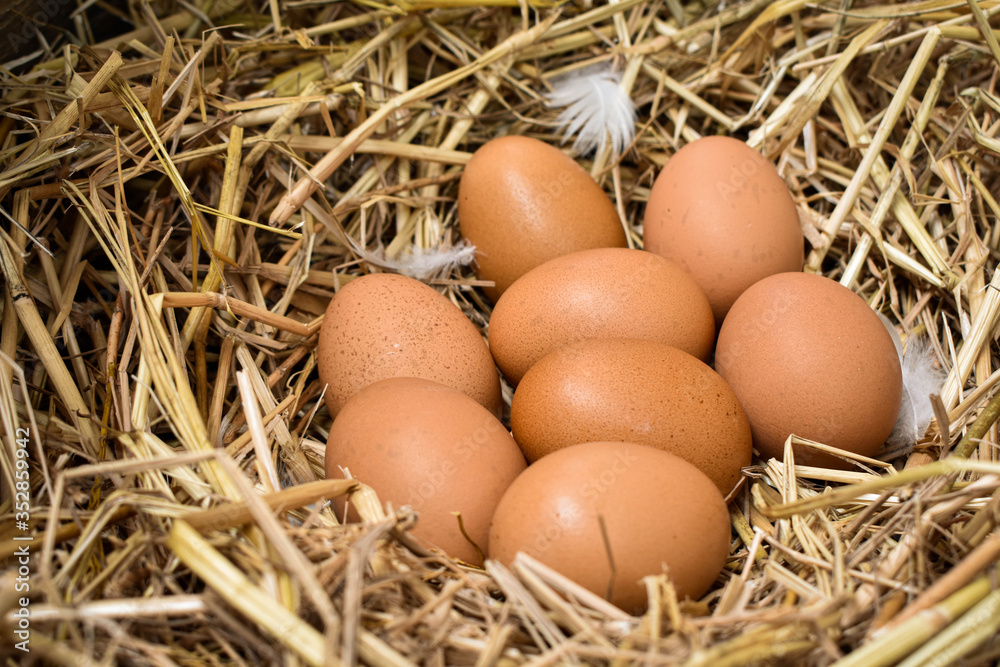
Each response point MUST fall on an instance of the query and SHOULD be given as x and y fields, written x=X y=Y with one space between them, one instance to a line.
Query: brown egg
x=420 y=443
x=806 y=355
x=385 y=325
x=660 y=514
x=522 y=202
x=633 y=391
x=722 y=212
x=600 y=293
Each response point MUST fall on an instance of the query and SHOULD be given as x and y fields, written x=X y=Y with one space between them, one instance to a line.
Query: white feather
x=421 y=263
x=596 y=110
x=921 y=378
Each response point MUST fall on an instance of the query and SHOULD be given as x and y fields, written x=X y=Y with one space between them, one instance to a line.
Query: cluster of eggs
x=633 y=439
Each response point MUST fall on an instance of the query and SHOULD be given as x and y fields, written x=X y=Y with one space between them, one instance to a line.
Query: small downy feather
x=421 y=263
x=597 y=108
x=921 y=378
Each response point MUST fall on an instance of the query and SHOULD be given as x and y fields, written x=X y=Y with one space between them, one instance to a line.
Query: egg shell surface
x=522 y=202
x=721 y=210
x=598 y=293
x=633 y=390
x=806 y=355
x=657 y=510
x=385 y=325
x=420 y=443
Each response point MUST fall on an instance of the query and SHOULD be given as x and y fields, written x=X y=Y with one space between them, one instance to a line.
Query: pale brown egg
x=599 y=293
x=659 y=514
x=722 y=212
x=806 y=355
x=633 y=391
x=385 y=325
x=422 y=444
x=522 y=202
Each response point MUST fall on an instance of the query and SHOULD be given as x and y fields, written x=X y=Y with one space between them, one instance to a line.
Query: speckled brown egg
x=422 y=444
x=722 y=212
x=599 y=293
x=633 y=391
x=522 y=202
x=385 y=325
x=660 y=514
x=806 y=355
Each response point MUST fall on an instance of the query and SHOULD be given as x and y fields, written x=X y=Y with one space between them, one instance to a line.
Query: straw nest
x=180 y=203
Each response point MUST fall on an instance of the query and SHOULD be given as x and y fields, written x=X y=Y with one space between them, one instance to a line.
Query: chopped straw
x=179 y=203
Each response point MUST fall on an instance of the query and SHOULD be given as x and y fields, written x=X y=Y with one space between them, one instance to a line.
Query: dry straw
x=180 y=202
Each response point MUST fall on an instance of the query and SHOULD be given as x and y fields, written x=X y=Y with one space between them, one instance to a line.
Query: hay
x=181 y=202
